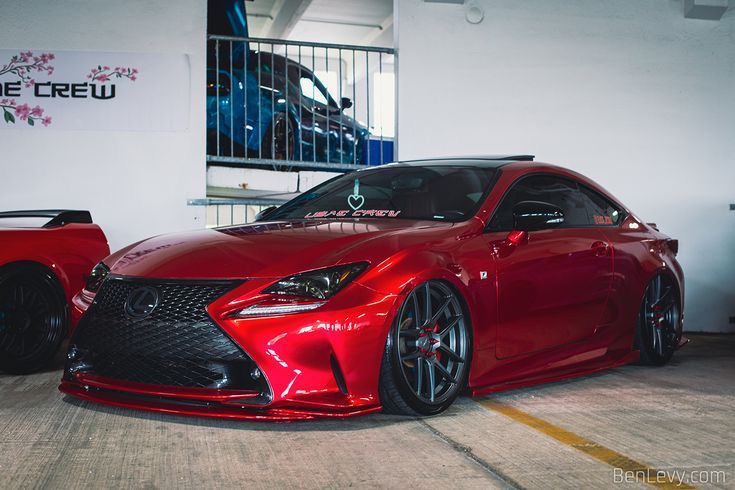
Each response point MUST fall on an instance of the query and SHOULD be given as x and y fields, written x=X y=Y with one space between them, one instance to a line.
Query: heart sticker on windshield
x=355 y=201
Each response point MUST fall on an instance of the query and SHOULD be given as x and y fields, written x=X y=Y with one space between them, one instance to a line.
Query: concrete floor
x=679 y=417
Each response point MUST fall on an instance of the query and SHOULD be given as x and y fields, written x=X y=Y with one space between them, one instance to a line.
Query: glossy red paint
x=543 y=305
x=69 y=252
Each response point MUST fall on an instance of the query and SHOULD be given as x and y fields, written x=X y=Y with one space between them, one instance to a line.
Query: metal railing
x=226 y=212
x=296 y=105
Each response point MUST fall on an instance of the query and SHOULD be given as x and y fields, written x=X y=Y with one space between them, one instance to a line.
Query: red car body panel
x=69 y=252
x=555 y=304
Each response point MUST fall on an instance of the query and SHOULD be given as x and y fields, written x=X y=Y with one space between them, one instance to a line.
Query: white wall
x=135 y=183
x=628 y=92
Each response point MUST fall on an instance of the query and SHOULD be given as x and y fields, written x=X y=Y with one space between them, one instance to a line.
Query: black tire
x=278 y=142
x=427 y=356
x=658 y=331
x=33 y=318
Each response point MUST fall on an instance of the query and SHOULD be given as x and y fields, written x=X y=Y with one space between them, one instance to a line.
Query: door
x=552 y=286
x=320 y=120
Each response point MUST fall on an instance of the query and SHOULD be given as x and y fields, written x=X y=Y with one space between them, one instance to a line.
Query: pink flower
x=12 y=102
x=51 y=56
x=50 y=70
x=4 y=102
x=89 y=75
x=103 y=78
x=94 y=70
x=37 y=111
x=133 y=78
x=105 y=67
x=30 y=83
x=135 y=70
x=22 y=111
x=46 y=120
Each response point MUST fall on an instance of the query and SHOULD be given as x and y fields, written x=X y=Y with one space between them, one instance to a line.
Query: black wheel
x=427 y=353
x=659 y=322
x=33 y=316
x=279 y=140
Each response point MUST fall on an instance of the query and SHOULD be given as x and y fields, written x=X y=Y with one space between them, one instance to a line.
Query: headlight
x=267 y=309
x=318 y=284
x=96 y=277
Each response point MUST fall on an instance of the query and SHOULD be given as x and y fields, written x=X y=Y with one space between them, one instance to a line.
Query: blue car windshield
x=433 y=192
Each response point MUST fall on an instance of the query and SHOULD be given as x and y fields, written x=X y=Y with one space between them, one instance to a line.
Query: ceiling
x=360 y=22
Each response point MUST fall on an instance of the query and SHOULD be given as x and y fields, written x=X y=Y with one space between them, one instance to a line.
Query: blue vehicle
x=274 y=108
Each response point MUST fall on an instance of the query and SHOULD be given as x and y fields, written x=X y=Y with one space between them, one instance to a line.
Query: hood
x=270 y=250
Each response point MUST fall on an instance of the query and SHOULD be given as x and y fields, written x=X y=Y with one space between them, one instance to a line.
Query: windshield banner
x=359 y=213
x=49 y=89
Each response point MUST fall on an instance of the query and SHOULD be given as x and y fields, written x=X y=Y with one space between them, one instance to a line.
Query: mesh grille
x=178 y=344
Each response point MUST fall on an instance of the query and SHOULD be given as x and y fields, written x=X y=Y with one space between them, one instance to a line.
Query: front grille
x=177 y=344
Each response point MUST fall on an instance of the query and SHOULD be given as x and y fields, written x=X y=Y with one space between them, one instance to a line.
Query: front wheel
x=659 y=322
x=279 y=140
x=33 y=316
x=427 y=354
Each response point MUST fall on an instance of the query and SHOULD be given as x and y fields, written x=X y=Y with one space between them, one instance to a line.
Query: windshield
x=444 y=193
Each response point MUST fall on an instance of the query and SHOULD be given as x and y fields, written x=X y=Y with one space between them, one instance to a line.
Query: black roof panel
x=494 y=161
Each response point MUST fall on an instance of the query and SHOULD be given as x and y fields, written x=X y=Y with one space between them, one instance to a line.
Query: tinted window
x=311 y=91
x=601 y=211
x=558 y=191
x=445 y=193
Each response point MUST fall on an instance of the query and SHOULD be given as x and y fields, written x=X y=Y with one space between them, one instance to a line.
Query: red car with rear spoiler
x=45 y=258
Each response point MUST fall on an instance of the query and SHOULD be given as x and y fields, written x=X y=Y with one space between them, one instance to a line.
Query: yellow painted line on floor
x=591 y=448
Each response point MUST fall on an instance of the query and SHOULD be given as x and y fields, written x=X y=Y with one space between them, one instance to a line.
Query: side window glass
x=311 y=91
x=558 y=191
x=600 y=211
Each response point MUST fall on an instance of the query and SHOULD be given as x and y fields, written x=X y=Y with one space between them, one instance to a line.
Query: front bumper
x=322 y=363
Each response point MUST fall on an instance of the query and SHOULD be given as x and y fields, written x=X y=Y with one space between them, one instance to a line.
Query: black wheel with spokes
x=659 y=322
x=279 y=140
x=427 y=354
x=32 y=318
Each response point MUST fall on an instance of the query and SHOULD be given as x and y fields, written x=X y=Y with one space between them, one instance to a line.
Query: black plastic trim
x=58 y=217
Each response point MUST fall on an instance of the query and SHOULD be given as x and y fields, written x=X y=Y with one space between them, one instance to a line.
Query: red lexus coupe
x=393 y=288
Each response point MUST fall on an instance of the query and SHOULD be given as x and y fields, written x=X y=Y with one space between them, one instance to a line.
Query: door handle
x=601 y=248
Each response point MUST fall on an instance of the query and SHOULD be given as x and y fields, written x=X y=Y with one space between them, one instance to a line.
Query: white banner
x=43 y=90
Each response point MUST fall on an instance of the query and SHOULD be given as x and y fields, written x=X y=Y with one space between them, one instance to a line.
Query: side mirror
x=345 y=103
x=265 y=213
x=536 y=215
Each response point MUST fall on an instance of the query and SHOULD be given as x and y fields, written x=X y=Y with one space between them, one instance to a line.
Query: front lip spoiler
x=207 y=404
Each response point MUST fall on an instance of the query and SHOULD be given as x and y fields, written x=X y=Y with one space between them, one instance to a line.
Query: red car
x=395 y=287
x=44 y=260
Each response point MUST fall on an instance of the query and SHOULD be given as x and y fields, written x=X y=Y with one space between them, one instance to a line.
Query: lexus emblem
x=141 y=302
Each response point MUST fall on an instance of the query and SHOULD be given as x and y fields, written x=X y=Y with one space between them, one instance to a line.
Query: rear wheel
x=427 y=353
x=32 y=318
x=658 y=332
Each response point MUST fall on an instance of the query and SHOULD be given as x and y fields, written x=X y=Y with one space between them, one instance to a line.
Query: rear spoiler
x=57 y=217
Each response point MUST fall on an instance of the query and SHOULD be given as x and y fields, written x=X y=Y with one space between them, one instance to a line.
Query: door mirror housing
x=345 y=103
x=265 y=213
x=536 y=215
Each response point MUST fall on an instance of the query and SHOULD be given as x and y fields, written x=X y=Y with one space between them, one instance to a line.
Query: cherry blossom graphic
x=26 y=66
x=105 y=73
x=12 y=112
